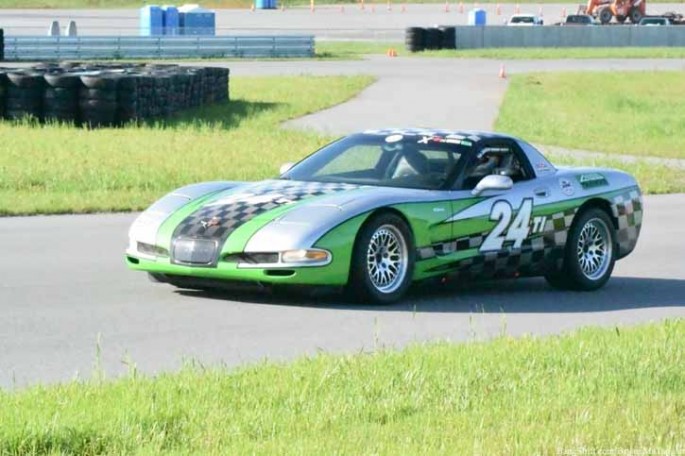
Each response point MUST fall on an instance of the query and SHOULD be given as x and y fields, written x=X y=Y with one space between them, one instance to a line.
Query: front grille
x=195 y=251
x=252 y=258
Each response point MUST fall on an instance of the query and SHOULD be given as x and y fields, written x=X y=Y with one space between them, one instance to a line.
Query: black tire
x=415 y=39
x=60 y=95
x=16 y=104
x=98 y=94
x=433 y=38
x=635 y=15
x=605 y=15
x=385 y=226
x=63 y=80
x=27 y=80
x=101 y=81
x=24 y=94
x=449 y=34
x=97 y=105
x=575 y=276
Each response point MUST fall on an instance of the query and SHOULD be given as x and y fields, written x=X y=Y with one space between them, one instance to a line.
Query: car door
x=500 y=232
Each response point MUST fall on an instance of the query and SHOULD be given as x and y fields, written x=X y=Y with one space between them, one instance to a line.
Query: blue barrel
x=171 y=21
x=477 y=17
x=151 y=20
x=197 y=21
x=265 y=4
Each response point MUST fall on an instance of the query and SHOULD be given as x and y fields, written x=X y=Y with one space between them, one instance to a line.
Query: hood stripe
x=217 y=219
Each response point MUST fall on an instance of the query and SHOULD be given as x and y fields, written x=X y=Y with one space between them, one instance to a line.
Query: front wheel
x=383 y=260
x=589 y=255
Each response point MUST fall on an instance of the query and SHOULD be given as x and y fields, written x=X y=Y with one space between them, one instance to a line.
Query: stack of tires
x=128 y=96
x=419 y=39
x=108 y=95
x=24 y=95
x=98 y=100
x=61 y=96
x=415 y=39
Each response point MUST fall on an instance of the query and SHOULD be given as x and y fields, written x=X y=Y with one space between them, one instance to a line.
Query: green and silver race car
x=378 y=210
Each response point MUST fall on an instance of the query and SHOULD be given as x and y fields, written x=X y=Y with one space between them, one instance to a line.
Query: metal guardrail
x=103 y=47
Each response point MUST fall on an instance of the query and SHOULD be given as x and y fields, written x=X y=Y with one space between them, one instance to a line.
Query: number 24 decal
x=516 y=231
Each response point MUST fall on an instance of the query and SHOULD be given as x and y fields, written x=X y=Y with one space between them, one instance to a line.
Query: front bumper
x=330 y=274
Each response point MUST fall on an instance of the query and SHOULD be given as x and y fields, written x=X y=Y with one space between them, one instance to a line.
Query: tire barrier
x=418 y=39
x=108 y=95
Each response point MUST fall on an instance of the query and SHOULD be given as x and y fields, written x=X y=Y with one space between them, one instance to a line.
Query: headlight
x=153 y=250
x=306 y=256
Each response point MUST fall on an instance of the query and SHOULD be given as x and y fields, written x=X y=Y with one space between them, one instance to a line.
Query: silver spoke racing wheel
x=386 y=259
x=383 y=259
x=594 y=249
x=589 y=254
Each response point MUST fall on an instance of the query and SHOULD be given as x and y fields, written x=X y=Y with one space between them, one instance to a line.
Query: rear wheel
x=635 y=15
x=605 y=15
x=589 y=255
x=383 y=260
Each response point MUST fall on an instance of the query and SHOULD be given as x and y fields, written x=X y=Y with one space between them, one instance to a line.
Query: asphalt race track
x=63 y=286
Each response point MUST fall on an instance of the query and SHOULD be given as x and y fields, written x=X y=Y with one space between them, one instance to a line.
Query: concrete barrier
x=470 y=37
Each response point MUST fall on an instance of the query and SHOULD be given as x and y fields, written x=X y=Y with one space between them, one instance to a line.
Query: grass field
x=597 y=389
x=357 y=49
x=638 y=113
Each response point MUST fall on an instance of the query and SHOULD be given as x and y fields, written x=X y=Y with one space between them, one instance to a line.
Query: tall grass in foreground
x=599 y=389
x=60 y=168
x=639 y=113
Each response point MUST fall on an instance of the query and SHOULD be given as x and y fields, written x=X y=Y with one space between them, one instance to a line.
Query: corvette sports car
x=378 y=210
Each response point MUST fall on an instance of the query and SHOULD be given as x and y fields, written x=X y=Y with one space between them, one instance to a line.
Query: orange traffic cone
x=447 y=6
x=563 y=13
x=461 y=7
x=391 y=53
x=502 y=72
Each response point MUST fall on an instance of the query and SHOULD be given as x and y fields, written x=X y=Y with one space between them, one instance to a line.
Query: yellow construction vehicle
x=605 y=10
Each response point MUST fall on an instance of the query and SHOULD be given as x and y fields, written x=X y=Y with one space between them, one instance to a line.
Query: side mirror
x=285 y=167
x=493 y=182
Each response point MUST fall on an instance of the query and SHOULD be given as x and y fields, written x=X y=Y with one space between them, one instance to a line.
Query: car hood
x=227 y=210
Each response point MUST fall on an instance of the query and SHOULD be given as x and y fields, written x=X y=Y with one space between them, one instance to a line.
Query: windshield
x=522 y=20
x=409 y=161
